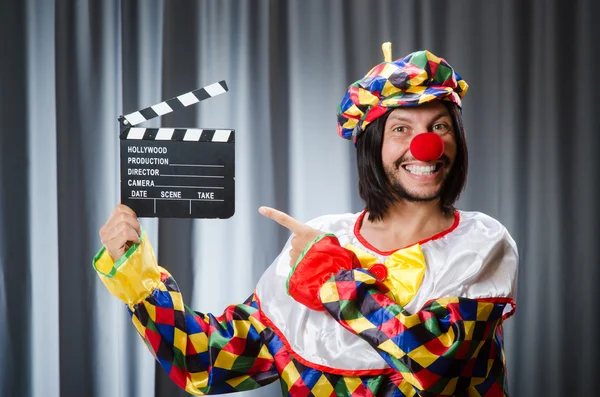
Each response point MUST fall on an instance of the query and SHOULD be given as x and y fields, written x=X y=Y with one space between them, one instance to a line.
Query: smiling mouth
x=423 y=169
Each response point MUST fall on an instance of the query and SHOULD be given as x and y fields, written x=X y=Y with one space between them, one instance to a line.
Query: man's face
x=412 y=179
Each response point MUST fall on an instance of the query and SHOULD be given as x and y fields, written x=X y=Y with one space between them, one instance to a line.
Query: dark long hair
x=374 y=186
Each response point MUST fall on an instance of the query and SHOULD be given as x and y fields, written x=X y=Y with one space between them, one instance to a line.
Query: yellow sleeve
x=134 y=276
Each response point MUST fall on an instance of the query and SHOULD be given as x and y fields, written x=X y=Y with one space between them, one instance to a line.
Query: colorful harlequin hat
x=417 y=78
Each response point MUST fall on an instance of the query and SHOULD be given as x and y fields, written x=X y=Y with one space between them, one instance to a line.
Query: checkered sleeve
x=201 y=353
x=450 y=346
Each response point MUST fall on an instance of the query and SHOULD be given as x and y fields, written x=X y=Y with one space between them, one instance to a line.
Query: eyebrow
x=435 y=118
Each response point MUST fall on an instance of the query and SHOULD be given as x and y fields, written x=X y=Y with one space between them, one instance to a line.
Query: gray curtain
x=69 y=68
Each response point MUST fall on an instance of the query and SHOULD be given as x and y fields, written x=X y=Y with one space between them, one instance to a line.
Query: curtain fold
x=141 y=69
x=69 y=68
x=16 y=294
x=40 y=112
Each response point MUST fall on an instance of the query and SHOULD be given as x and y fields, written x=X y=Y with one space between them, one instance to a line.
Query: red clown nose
x=427 y=146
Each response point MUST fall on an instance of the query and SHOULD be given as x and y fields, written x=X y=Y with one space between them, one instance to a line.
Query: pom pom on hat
x=417 y=78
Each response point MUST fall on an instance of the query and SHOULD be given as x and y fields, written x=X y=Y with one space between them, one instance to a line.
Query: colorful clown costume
x=347 y=320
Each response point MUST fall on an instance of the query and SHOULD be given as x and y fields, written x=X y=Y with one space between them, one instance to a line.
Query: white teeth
x=420 y=169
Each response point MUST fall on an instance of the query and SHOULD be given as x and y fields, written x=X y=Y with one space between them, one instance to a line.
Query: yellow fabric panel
x=469 y=328
x=151 y=309
x=237 y=380
x=426 y=98
x=241 y=328
x=412 y=379
x=133 y=277
x=350 y=123
x=408 y=389
x=225 y=359
x=364 y=124
x=322 y=388
x=491 y=363
x=199 y=341
x=388 y=70
x=406 y=269
x=432 y=57
x=138 y=326
x=363 y=277
x=409 y=321
x=258 y=325
x=177 y=300
x=180 y=340
x=447 y=301
x=264 y=352
x=198 y=381
x=360 y=324
x=393 y=349
x=419 y=79
x=447 y=338
x=366 y=98
x=423 y=356
x=354 y=111
x=391 y=101
x=329 y=293
x=366 y=260
x=104 y=263
x=416 y=90
x=290 y=374
x=484 y=309
x=352 y=383
x=389 y=89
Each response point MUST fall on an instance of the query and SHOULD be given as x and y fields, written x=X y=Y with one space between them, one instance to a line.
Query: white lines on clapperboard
x=172 y=199
x=194 y=187
x=179 y=199
x=198 y=176
x=196 y=165
x=151 y=198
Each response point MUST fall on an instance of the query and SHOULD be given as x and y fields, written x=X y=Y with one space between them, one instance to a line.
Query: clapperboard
x=177 y=172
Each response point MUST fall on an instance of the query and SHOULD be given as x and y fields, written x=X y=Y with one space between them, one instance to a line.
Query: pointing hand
x=302 y=233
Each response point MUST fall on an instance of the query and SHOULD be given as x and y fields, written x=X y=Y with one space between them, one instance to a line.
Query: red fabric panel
x=324 y=259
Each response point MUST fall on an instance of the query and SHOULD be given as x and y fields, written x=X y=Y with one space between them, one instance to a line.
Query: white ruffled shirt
x=476 y=258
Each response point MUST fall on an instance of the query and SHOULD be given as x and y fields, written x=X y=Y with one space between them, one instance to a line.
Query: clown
x=405 y=298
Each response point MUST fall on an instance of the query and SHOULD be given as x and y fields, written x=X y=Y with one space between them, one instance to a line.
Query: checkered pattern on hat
x=417 y=78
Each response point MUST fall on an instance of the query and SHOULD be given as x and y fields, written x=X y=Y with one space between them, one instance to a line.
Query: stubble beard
x=400 y=192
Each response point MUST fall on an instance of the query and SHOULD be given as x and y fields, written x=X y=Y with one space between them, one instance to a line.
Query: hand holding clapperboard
x=177 y=172
x=184 y=172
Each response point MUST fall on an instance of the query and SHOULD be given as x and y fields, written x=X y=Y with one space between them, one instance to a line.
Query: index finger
x=283 y=219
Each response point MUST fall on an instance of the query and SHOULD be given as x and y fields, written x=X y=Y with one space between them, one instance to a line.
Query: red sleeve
x=320 y=260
